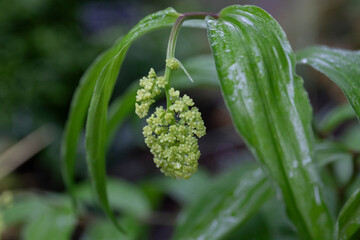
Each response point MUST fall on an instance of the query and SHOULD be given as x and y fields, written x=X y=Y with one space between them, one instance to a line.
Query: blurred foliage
x=42 y=55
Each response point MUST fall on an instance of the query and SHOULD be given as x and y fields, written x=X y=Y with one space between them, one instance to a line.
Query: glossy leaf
x=270 y=109
x=341 y=66
x=348 y=222
x=226 y=205
x=96 y=125
x=74 y=125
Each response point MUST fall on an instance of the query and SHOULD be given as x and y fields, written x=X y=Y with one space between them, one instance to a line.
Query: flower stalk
x=172 y=133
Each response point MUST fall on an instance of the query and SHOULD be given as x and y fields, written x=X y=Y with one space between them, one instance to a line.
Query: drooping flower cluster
x=172 y=134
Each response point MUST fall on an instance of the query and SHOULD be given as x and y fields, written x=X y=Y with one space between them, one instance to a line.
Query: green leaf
x=255 y=229
x=341 y=66
x=348 y=222
x=122 y=107
x=183 y=191
x=96 y=125
x=351 y=137
x=201 y=68
x=74 y=125
x=270 y=109
x=227 y=204
x=45 y=217
x=124 y=196
x=329 y=151
x=55 y=223
x=22 y=209
x=335 y=117
x=277 y=222
x=343 y=171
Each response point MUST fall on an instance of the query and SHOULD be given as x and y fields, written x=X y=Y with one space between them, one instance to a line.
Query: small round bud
x=161 y=82
x=150 y=88
x=172 y=63
x=172 y=135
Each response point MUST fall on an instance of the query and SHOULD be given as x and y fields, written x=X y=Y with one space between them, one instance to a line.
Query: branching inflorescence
x=171 y=134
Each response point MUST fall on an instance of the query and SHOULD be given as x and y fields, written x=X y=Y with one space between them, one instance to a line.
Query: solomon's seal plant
x=255 y=65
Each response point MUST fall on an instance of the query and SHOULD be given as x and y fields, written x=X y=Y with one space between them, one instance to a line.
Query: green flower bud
x=172 y=63
x=171 y=134
x=150 y=88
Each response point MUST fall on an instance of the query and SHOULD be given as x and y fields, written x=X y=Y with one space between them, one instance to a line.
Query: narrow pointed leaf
x=341 y=66
x=74 y=125
x=96 y=125
x=328 y=151
x=270 y=109
x=226 y=205
x=348 y=222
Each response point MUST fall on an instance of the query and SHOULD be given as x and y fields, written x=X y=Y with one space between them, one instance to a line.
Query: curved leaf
x=341 y=66
x=270 y=109
x=348 y=222
x=74 y=125
x=96 y=125
x=226 y=205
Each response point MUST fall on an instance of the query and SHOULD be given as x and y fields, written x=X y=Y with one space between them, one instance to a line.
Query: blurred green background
x=46 y=45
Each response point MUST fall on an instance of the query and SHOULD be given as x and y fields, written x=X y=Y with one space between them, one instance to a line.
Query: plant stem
x=172 y=43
